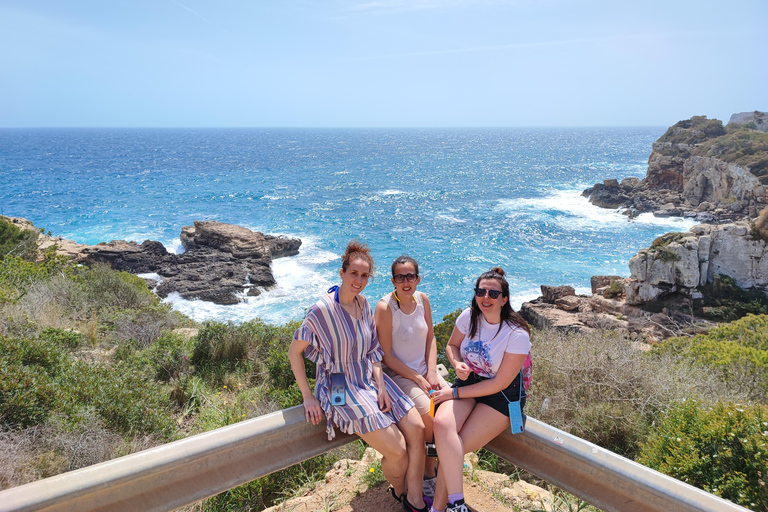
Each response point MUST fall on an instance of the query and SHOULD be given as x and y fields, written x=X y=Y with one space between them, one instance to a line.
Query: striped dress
x=331 y=331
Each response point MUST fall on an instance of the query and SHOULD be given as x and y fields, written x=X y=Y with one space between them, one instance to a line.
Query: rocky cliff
x=663 y=294
x=698 y=168
x=221 y=263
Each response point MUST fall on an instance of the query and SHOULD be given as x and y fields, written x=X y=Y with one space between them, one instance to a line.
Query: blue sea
x=458 y=200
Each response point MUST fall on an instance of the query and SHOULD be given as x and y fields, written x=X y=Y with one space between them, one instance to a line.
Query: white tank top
x=409 y=334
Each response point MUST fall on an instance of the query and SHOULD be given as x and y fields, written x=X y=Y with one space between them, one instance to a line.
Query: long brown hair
x=508 y=315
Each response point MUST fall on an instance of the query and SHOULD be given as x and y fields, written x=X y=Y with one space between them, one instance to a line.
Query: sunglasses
x=399 y=278
x=480 y=292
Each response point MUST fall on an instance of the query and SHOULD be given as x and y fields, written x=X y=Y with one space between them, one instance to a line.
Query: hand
x=385 y=403
x=434 y=382
x=462 y=370
x=312 y=410
x=423 y=383
x=442 y=395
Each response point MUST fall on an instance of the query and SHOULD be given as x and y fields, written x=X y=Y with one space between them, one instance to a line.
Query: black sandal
x=399 y=499
x=410 y=508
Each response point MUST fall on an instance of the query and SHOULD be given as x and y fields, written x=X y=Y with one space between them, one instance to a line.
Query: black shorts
x=496 y=400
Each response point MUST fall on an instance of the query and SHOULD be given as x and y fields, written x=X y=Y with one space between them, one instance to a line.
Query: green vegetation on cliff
x=738 y=144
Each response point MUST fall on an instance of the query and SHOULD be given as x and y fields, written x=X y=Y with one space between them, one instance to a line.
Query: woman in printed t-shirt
x=488 y=348
x=339 y=335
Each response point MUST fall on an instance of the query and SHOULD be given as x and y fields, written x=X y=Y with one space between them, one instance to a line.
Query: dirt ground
x=345 y=490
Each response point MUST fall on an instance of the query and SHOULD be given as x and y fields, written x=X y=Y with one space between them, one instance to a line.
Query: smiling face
x=355 y=278
x=491 y=308
x=406 y=288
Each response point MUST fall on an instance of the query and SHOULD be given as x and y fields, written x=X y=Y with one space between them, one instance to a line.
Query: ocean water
x=458 y=200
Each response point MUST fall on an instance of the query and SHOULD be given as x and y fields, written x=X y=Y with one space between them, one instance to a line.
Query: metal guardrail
x=186 y=471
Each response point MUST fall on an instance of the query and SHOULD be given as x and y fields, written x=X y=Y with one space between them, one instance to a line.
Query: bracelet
x=455 y=393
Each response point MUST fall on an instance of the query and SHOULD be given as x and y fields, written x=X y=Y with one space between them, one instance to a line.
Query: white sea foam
x=175 y=246
x=299 y=284
x=572 y=211
x=391 y=192
x=449 y=218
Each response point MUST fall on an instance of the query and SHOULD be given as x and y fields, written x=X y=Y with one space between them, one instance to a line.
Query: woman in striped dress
x=339 y=335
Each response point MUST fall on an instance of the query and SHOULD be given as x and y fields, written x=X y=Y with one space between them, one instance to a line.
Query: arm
x=430 y=355
x=312 y=410
x=383 y=318
x=510 y=367
x=384 y=401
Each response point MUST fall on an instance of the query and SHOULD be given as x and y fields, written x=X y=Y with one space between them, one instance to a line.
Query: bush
x=599 y=386
x=40 y=378
x=17 y=275
x=724 y=301
x=443 y=331
x=21 y=243
x=720 y=449
x=738 y=351
x=219 y=348
x=62 y=337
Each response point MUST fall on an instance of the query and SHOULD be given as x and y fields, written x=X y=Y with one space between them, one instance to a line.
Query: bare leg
x=473 y=431
x=413 y=430
x=391 y=444
x=449 y=419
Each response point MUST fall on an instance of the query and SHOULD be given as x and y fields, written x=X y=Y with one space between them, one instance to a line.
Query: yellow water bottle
x=431 y=403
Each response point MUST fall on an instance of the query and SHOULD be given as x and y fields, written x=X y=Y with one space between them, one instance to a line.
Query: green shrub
x=17 y=275
x=21 y=243
x=724 y=301
x=62 y=337
x=220 y=346
x=122 y=397
x=443 y=331
x=721 y=449
x=600 y=387
x=738 y=351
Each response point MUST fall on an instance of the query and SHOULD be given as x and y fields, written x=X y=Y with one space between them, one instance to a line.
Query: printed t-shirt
x=484 y=352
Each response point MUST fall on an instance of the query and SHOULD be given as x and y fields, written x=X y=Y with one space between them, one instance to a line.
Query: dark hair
x=508 y=314
x=403 y=260
x=356 y=251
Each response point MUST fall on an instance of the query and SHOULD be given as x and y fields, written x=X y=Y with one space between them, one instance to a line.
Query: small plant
x=374 y=475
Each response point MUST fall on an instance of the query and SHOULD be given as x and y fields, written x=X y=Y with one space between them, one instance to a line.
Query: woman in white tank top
x=404 y=325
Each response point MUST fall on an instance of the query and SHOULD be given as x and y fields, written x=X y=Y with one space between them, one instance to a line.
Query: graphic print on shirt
x=478 y=357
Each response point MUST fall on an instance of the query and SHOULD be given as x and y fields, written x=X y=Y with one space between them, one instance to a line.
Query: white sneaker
x=457 y=506
x=428 y=486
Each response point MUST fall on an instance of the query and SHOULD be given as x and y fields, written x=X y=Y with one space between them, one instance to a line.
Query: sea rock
x=222 y=262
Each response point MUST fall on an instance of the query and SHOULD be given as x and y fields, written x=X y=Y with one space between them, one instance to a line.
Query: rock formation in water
x=701 y=169
x=221 y=263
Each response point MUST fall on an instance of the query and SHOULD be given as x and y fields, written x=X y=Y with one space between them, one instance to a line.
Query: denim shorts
x=495 y=401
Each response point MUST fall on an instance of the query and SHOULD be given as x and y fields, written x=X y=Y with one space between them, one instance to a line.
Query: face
x=407 y=287
x=488 y=306
x=356 y=276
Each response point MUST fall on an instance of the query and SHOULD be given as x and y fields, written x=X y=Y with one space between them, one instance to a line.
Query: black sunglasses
x=480 y=292
x=399 y=278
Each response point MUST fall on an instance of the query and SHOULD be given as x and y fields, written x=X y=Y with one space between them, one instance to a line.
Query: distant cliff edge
x=699 y=169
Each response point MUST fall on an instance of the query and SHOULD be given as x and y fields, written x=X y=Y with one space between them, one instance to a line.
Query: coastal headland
x=698 y=169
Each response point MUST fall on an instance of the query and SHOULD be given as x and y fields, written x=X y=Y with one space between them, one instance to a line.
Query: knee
x=443 y=425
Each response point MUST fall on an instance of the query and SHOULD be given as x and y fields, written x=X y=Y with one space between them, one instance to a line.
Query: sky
x=379 y=63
